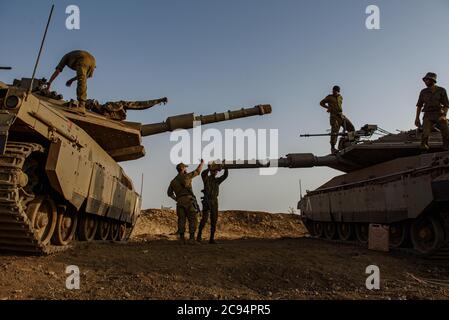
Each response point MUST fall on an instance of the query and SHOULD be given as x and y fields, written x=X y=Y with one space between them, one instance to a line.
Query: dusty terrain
x=260 y=256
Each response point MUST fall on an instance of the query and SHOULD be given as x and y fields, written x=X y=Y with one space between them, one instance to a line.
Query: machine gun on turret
x=117 y=110
x=351 y=137
x=5 y=68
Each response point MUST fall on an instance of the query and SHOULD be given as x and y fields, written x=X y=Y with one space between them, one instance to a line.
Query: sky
x=209 y=56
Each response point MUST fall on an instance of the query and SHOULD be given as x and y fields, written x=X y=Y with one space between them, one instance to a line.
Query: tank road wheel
x=123 y=232
x=344 y=231
x=318 y=229
x=427 y=235
x=87 y=227
x=330 y=230
x=43 y=214
x=129 y=231
x=398 y=235
x=309 y=227
x=65 y=227
x=362 y=232
x=103 y=230
x=115 y=231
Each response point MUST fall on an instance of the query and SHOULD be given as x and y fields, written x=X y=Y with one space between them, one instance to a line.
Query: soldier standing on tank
x=333 y=104
x=433 y=101
x=180 y=190
x=84 y=64
x=210 y=200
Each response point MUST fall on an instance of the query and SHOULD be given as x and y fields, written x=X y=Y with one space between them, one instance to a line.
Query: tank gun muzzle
x=186 y=121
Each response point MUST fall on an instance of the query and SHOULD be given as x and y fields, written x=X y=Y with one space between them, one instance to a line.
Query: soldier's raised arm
x=224 y=176
x=197 y=171
x=204 y=174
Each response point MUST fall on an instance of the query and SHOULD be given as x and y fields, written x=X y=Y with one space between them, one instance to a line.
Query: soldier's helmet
x=181 y=166
x=431 y=76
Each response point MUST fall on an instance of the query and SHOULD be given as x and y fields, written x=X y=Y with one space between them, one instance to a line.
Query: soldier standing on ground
x=433 y=101
x=84 y=64
x=180 y=190
x=333 y=104
x=210 y=200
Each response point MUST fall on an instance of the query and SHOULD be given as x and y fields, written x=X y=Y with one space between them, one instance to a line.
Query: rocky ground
x=260 y=256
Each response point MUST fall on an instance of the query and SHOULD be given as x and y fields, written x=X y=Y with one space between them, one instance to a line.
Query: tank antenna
x=141 y=186
x=40 y=51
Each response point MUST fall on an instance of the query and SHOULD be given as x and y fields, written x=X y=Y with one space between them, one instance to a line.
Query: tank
x=386 y=181
x=60 y=178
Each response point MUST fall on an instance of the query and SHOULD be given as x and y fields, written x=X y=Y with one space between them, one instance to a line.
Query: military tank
x=59 y=174
x=386 y=181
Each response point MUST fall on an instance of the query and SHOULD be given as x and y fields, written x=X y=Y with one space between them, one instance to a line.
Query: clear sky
x=208 y=56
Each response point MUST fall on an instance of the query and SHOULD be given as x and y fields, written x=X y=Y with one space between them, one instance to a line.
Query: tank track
x=441 y=255
x=16 y=232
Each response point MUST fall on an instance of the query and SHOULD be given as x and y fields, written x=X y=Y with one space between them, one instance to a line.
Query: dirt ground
x=260 y=256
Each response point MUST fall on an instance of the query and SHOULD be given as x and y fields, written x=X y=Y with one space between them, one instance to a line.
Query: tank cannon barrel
x=295 y=160
x=186 y=121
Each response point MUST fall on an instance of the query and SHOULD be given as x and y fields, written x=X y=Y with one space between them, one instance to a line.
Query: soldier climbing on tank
x=84 y=64
x=333 y=104
x=433 y=101
x=210 y=199
x=180 y=190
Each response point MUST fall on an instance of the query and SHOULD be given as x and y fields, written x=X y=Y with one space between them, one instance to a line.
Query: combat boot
x=81 y=107
x=333 y=150
x=182 y=239
x=192 y=239
x=212 y=239
x=199 y=237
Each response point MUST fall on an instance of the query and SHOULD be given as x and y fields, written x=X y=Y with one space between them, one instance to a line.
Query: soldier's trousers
x=186 y=213
x=213 y=212
x=83 y=71
x=428 y=123
x=337 y=121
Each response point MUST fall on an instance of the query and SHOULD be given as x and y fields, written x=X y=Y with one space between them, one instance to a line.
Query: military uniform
x=337 y=119
x=434 y=103
x=84 y=64
x=181 y=188
x=210 y=202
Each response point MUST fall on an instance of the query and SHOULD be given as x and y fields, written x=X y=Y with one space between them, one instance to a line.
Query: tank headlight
x=12 y=102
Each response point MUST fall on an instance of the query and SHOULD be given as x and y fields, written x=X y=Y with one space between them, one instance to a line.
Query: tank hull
x=56 y=182
x=411 y=195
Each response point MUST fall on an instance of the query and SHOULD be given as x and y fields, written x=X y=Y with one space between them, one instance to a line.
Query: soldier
x=333 y=104
x=84 y=65
x=210 y=200
x=180 y=190
x=433 y=101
